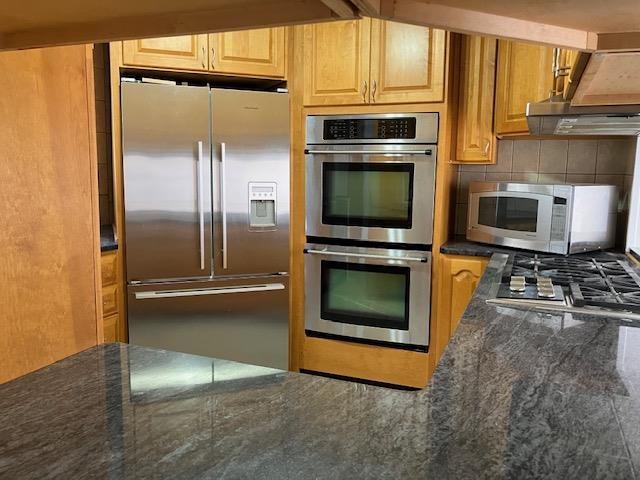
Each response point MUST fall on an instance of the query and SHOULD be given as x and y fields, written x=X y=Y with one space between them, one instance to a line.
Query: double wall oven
x=369 y=226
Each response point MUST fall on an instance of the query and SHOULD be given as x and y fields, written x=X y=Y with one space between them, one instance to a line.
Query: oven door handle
x=365 y=255
x=368 y=152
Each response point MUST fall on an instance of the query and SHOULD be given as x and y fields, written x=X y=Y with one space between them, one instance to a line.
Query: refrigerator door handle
x=201 y=203
x=223 y=202
x=208 y=291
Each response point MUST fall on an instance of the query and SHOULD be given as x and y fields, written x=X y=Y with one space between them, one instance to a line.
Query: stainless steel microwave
x=563 y=218
x=371 y=177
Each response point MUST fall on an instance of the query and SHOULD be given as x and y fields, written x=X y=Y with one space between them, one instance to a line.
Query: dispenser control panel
x=262 y=205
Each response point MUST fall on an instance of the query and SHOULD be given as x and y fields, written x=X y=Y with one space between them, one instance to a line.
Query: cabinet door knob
x=374 y=87
x=204 y=56
x=213 y=58
x=364 y=91
x=487 y=144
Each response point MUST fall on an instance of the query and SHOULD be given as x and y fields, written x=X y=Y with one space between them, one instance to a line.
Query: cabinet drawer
x=111 y=328
x=109 y=300
x=109 y=268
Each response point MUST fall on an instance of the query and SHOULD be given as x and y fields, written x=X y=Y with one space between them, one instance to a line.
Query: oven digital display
x=370 y=128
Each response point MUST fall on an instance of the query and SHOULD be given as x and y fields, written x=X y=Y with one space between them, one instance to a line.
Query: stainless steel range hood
x=602 y=98
x=560 y=118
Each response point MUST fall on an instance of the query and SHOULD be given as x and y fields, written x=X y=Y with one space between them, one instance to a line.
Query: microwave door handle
x=367 y=152
x=365 y=255
x=201 y=203
x=223 y=201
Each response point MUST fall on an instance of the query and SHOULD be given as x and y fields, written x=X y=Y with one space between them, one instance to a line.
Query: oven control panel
x=370 y=128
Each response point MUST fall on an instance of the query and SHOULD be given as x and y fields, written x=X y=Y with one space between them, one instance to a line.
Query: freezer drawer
x=245 y=320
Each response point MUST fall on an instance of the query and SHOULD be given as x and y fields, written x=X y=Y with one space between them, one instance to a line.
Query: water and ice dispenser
x=262 y=205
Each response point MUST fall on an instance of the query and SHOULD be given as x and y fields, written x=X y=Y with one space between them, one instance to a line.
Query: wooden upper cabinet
x=336 y=62
x=407 y=63
x=475 y=137
x=524 y=75
x=188 y=52
x=259 y=53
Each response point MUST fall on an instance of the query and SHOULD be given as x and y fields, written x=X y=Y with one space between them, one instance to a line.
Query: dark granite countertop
x=459 y=245
x=108 y=240
x=517 y=394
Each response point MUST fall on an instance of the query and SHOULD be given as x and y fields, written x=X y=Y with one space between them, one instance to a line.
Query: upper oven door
x=381 y=193
x=511 y=218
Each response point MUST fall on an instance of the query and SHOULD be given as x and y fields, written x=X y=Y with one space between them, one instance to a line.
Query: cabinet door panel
x=336 y=62
x=259 y=52
x=524 y=75
x=188 y=52
x=461 y=276
x=475 y=139
x=407 y=63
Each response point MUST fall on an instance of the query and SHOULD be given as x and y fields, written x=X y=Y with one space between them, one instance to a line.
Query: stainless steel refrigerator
x=206 y=196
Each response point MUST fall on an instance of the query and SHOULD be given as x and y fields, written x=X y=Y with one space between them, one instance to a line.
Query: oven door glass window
x=367 y=194
x=361 y=294
x=509 y=213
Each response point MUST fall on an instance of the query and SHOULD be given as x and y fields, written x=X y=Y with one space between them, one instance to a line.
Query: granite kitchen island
x=517 y=394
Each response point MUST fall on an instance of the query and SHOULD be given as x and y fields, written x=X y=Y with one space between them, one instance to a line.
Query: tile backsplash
x=103 y=131
x=553 y=161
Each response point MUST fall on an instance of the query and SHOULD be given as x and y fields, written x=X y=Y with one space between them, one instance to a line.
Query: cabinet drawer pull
x=364 y=91
x=213 y=58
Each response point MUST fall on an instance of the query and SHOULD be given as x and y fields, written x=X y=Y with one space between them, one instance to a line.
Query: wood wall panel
x=49 y=269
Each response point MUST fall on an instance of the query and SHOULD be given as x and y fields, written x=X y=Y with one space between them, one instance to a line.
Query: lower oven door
x=510 y=218
x=372 y=294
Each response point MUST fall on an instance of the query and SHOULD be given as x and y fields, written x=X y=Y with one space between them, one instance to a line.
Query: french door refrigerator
x=206 y=197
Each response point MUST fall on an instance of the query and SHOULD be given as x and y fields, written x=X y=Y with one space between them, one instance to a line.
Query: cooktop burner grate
x=598 y=281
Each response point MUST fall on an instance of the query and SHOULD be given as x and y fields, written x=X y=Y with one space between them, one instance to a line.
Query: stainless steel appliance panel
x=416 y=265
x=566 y=219
x=243 y=319
x=251 y=170
x=421 y=159
x=167 y=181
x=426 y=128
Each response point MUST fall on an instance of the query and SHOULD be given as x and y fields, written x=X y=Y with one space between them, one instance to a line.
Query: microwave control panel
x=370 y=128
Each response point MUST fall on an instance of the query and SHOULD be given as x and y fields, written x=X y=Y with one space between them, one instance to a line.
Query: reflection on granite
x=517 y=394
x=459 y=245
x=107 y=238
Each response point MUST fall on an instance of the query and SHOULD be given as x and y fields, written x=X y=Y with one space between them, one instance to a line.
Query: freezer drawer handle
x=367 y=152
x=208 y=291
x=366 y=255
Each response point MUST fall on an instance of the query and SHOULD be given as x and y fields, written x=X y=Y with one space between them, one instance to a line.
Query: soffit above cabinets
x=579 y=24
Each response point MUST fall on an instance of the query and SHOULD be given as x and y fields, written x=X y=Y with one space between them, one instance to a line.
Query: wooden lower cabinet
x=111 y=328
x=368 y=362
x=110 y=297
x=459 y=277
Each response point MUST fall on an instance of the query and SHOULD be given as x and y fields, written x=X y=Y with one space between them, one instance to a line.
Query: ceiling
x=571 y=23
x=598 y=16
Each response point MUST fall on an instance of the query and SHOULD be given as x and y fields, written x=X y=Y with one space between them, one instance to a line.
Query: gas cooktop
x=600 y=280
